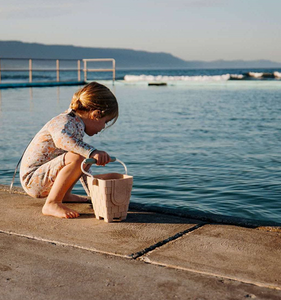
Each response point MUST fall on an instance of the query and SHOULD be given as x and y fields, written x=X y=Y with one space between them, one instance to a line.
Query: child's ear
x=95 y=114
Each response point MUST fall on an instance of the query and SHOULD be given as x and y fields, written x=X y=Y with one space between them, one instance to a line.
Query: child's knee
x=73 y=158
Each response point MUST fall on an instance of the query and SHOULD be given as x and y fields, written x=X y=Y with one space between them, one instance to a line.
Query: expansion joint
x=164 y=242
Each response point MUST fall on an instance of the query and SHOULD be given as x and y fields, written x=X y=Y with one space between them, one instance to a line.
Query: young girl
x=51 y=164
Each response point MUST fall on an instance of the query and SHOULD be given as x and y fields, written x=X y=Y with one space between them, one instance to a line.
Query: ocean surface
x=205 y=143
x=170 y=76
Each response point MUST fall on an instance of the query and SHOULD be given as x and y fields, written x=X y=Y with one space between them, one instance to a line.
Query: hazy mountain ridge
x=125 y=58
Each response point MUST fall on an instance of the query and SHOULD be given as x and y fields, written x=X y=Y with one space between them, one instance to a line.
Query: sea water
x=204 y=146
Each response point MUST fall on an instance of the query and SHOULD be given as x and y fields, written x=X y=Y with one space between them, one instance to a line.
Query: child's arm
x=67 y=134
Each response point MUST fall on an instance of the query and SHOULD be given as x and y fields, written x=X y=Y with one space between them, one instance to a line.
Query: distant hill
x=234 y=64
x=125 y=58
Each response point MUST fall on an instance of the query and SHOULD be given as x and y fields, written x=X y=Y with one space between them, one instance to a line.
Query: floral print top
x=64 y=133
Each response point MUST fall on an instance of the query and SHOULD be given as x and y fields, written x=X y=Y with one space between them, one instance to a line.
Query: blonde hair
x=95 y=96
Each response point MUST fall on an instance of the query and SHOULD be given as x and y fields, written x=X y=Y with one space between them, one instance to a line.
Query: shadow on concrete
x=149 y=214
x=143 y=217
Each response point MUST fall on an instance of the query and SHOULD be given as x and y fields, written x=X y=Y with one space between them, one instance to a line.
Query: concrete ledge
x=184 y=213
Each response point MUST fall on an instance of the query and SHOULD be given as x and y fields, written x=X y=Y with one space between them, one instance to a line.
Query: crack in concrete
x=145 y=259
x=164 y=242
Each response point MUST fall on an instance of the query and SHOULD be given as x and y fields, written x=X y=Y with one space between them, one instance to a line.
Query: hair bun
x=76 y=103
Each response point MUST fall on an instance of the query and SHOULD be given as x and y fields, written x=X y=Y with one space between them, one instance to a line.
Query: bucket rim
x=124 y=176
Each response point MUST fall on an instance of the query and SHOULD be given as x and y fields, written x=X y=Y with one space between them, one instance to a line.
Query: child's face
x=94 y=126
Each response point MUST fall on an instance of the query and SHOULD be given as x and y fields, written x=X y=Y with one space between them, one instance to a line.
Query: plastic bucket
x=110 y=194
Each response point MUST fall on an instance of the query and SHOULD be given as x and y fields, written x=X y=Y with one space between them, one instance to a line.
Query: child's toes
x=75 y=214
x=69 y=215
x=72 y=214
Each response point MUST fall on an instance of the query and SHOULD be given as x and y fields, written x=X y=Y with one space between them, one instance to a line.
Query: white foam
x=161 y=78
x=277 y=74
x=237 y=76
x=255 y=74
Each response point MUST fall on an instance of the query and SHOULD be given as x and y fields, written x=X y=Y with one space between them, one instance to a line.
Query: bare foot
x=71 y=198
x=59 y=210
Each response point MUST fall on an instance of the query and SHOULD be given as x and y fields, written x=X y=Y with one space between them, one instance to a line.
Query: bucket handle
x=90 y=161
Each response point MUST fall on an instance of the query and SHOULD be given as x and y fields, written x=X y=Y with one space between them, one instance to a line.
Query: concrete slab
x=32 y=269
x=141 y=229
x=243 y=254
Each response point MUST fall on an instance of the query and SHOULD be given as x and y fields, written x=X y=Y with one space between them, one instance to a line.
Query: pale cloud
x=36 y=9
x=204 y=3
x=188 y=3
x=45 y=9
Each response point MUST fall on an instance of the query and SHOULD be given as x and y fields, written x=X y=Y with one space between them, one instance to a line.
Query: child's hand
x=101 y=156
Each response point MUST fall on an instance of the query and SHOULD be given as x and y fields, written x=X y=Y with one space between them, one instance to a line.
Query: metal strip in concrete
x=237 y=253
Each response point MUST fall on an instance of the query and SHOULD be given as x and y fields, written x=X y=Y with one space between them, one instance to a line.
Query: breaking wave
x=176 y=78
x=200 y=78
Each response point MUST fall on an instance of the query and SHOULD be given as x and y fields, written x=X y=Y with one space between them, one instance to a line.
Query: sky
x=189 y=29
